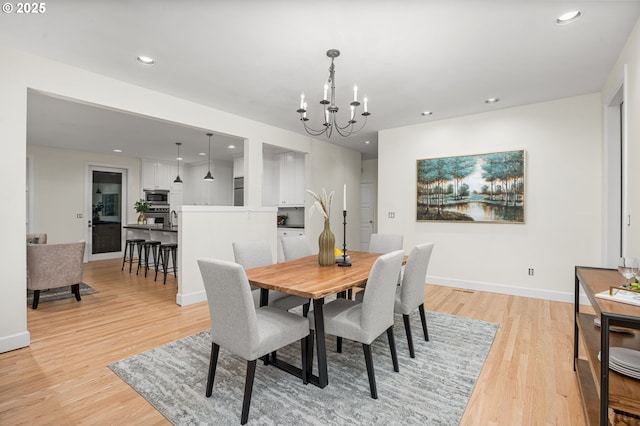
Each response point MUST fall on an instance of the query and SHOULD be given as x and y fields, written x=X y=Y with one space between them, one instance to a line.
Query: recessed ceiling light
x=569 y=17
x=202 y=153
x=146 y=60
x=491 y=100
x=117 y=150
x=426 y=113
x=231 y=147
x=367 y=142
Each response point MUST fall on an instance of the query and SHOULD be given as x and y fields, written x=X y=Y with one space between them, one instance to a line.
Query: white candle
x=326 y=116
x=302 y=101
x=304 y=106
x=353 y=110
x=365 y=104
x=326 y=87
x=355 y=93
x=344 y=199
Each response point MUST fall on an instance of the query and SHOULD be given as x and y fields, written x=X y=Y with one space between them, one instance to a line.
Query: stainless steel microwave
x=156 y=196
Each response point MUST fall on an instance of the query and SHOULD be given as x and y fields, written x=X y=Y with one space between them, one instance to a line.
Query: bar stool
x=148 y=246
x=130 y=245
x=165 y=250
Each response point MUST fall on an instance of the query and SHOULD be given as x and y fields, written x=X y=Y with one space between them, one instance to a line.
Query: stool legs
x=163 y=260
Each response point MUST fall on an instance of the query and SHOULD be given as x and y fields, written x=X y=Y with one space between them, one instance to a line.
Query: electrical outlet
x=392 y=215
x=79 y=215
x=530 y=271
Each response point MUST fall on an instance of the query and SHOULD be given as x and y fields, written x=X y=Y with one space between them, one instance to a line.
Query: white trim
x=557 y=296
x=191 y=298
x=15 y=341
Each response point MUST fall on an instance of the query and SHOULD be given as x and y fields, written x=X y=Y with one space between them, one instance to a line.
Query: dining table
x=305 y=277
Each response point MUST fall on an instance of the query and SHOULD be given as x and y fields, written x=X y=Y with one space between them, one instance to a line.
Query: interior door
x=367 y=212
x=106 y=211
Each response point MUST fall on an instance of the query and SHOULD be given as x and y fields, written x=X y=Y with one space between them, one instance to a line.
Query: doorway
x=107 y=198
x=367 y=213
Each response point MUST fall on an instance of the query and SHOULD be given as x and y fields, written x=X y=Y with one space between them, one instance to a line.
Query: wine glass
x=628 y=267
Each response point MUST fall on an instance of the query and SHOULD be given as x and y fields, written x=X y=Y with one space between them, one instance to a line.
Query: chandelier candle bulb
x=326 y=116
x=326 y=88
x=365 y=104
x=302 y=104
x=353 y=111
x=355 y=93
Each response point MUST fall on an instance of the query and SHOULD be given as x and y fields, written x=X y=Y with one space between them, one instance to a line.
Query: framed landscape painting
x=472 y=188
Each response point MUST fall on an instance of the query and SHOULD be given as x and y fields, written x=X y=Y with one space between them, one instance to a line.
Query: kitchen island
x=159 y=232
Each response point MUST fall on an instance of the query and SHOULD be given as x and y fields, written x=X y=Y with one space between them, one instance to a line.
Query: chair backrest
x=296 y=247
x=252 y=254
x=415 y=272
x=37 y=238
x=385 y=243
x=231 y=310
x=54 y=265
x=378 y=300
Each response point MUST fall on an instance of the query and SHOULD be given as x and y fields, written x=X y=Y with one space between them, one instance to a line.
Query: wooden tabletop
x=596 y=280
x=306 y=278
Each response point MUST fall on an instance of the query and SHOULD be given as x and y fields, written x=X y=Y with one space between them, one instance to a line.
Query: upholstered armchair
x=53 y=266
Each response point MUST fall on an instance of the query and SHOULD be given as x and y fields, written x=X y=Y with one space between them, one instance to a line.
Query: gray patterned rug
x=59 y=293
x=432 y=389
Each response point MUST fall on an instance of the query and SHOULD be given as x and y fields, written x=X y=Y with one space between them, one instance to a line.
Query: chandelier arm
x=310 y=130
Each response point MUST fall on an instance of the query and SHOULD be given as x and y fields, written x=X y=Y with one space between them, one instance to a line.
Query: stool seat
x=148 y=246
x=129 y=246
x=166 y=249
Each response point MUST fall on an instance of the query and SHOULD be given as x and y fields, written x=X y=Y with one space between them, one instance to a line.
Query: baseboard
x=191 y=298
x=536 y=293
x=15 y=341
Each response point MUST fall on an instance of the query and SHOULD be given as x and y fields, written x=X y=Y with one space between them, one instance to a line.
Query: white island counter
x=208 y=232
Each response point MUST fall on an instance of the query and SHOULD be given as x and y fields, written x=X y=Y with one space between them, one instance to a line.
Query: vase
x=326 y=242
x=142 y=218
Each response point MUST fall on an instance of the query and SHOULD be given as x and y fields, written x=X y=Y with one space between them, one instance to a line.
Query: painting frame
x=476 y=188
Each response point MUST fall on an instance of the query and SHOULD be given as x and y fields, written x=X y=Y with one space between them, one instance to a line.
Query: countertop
x=291 y=226
x=158 y=227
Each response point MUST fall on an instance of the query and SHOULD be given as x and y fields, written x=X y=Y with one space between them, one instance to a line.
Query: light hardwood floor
x=62 y=378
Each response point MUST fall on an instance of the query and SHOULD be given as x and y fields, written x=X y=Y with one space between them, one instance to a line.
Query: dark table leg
x=323 y=379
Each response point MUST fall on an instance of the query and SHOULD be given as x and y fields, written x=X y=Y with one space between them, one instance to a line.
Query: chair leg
x=339 y=344
x=423 y=317
x=165 y=263
x=248 y=388
x=213 y=362
x=392 y=346
x=372 y=378
x=407 y=329
x=303 y=349
x=310 y=353
x=124 y=258
x=75 y=289
x=36 y=299
x=305 y=308
x=158 y=262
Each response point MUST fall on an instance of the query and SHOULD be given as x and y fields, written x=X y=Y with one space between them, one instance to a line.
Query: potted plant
x=282 y=219
x=141 y=206
x=97 y=208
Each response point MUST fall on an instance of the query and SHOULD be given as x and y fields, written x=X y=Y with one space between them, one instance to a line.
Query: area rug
x=59 y=293
x=431 y=389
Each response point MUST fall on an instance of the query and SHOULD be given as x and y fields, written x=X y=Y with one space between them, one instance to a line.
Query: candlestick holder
x=344 y=240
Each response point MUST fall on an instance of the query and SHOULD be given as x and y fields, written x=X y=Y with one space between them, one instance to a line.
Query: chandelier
x=330 y=108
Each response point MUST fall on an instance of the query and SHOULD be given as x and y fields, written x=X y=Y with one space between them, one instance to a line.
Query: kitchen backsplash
x=295 y=215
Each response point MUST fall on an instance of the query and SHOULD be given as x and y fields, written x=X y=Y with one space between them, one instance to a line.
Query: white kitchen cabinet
x=238 y=167
x=291 y=179
x=286 y=233
x=156 y=175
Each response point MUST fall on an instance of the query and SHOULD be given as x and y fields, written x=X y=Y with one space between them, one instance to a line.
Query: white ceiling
x=254 y=58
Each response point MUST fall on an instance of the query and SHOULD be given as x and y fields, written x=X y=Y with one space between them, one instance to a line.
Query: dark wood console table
x=603 y=389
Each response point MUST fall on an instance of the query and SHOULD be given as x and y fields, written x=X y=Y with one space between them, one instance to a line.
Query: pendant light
x=178 y=180
x=209 y=176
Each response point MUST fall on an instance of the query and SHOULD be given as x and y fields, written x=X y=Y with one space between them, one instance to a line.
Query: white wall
x=21 y=71
x=198 y=191
x=59 y=190
x=562 y=140
x=628 y=65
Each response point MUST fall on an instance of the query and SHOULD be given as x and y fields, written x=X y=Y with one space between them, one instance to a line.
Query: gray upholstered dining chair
x=410 y=294
x=252 y=254
x=385 y=243
x=241 y=328
x=296 y=247
x=54 y=266
x=364 y=322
